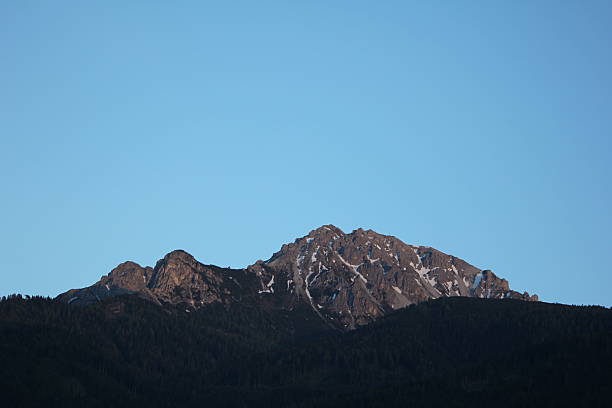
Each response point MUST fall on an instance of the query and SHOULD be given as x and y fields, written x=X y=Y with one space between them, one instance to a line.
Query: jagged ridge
x=347 y=279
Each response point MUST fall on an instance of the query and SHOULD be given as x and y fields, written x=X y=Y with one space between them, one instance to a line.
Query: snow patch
x=477 y=280
x=422 y=271
x=313 y=257
x=398 y=290
x=432 y=281
x=449 y=286
x=354 y=268
x=306 y=290
x=268 y=288
x=424 y=274
x=416 y=252
x=317 y=275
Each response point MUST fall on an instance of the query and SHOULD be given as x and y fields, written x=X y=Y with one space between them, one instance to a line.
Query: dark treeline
x=452 y=352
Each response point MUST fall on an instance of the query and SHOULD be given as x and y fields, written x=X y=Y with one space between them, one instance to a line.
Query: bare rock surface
x=348 y=280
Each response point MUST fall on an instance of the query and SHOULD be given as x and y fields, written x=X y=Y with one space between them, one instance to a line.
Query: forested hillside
x=450 y=352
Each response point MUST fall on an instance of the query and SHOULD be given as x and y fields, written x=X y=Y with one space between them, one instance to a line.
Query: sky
x=480 y=128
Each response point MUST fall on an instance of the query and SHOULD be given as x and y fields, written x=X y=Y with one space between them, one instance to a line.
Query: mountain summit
x=348 y=280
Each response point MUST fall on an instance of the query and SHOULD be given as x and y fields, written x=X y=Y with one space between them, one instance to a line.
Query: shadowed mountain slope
x=448 y=352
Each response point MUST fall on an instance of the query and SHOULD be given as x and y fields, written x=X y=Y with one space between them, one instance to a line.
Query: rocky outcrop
x=353 y=279
x=348 y=280
x=176 y=279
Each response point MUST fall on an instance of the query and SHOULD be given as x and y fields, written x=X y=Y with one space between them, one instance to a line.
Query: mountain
x=176 y=279
x=347 y=280
x=331 y=320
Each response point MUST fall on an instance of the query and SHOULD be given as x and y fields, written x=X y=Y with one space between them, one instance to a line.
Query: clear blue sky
x=481 y=128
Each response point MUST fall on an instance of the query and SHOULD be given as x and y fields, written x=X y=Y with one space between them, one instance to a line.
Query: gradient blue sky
x=481 y=128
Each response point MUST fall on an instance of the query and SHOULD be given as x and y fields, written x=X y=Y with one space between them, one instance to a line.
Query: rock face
x=176 y=279
x=348 y=280
x=352 y=279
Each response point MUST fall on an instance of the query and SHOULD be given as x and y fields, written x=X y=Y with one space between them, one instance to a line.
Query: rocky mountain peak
x=127 y=276
x=347 y=280
x=325 y=229
x=176 y=260
x=352 y=279
x=179 y=255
